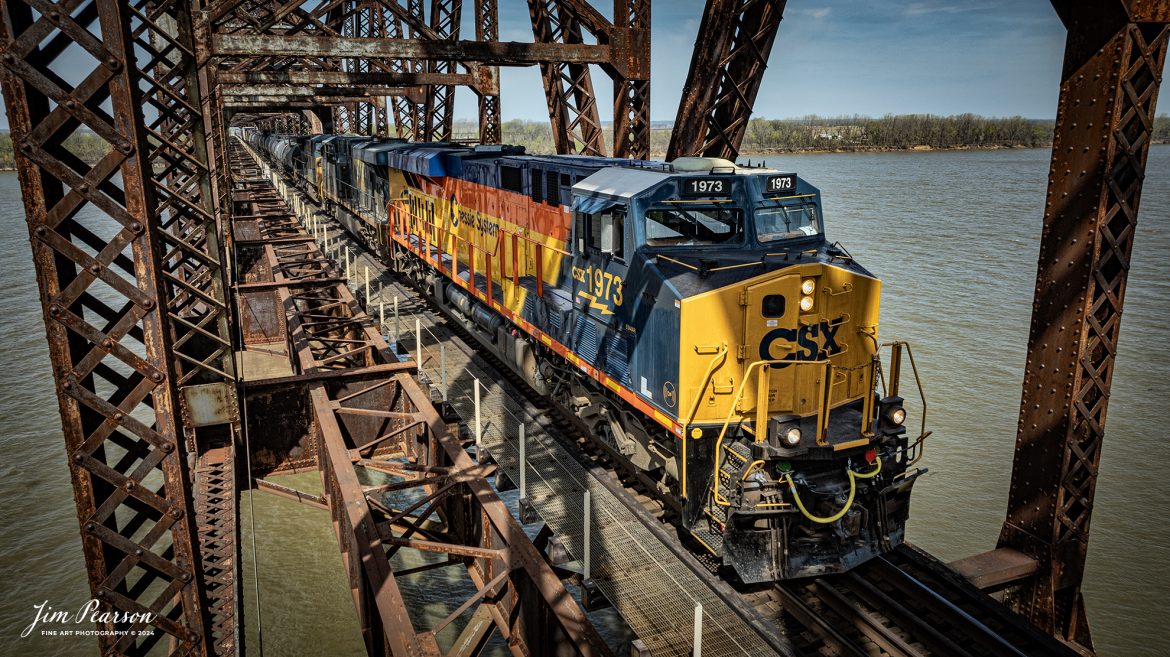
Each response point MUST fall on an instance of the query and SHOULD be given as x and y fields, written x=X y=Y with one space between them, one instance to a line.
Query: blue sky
x=840 y=57
x=843 y=57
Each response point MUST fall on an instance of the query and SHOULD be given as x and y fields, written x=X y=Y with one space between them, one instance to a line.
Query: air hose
x=853 y=477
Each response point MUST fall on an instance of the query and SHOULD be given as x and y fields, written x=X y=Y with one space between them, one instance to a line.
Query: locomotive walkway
x=645 y=581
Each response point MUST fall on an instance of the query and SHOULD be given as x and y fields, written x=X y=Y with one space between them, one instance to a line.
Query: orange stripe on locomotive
x=530 y=241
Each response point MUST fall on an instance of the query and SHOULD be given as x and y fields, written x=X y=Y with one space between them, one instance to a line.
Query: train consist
x=693 y=316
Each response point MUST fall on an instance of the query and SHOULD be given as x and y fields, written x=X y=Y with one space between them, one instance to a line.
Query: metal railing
x=824 y=397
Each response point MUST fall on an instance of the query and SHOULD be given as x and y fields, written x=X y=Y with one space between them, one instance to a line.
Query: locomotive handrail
x=659 y=256
x=895 y=371
x=431 y=226
x=735 y=403
x=503 y=230
x=400 y=208
x=365 y=201
x=716 y=361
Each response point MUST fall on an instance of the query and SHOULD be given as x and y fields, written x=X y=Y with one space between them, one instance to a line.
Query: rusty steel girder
x=568 y=87
x=631 y=93
x=487 y=28
x=364 y=417
x=363 y=117
x=392 y=42
x=439 y=106
x=568 y=84
x=422 y=108
x=129 y=260
x=346 y=19
x=727 y=67
x=1113 y=66
x=408 y=110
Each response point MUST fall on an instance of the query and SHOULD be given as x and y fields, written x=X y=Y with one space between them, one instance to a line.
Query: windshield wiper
x=835 y=250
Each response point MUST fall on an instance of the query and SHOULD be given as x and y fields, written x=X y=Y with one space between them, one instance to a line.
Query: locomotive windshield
x=787 y=222
x=682 y=225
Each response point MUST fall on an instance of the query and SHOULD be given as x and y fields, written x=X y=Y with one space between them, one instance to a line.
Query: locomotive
x=692 y=315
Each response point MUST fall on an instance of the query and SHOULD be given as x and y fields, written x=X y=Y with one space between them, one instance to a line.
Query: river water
x=953 y=235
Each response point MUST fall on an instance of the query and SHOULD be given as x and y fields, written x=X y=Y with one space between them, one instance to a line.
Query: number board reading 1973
x=780 y=184
x=702 y=186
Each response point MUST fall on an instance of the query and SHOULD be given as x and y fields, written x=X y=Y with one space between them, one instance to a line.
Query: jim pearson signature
x=89 y=612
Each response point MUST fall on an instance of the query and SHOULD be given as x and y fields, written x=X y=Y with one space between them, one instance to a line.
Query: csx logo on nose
x=812 y=342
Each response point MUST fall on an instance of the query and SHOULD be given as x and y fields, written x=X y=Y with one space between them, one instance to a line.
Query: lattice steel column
x=731 y=53
x=438 y=108
x=341 y=118
x=215 y=491
x=130 y=273
x=568 y=88
x=631 y=95
x=487 y=28
x=1112 y=71
x=409 y=115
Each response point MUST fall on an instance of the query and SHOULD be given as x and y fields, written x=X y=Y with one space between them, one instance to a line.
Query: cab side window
x=602 y=233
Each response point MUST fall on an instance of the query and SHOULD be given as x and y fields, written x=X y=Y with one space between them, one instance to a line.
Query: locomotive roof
x=620 y=182
x=432 y=159
x=377 y=152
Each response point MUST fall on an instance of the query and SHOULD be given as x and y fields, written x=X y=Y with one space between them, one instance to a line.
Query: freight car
x=693 y=315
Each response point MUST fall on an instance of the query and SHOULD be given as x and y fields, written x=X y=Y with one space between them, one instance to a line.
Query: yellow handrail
x=716 y=361
x=735 y=403
x=895 y=348
x=714 y=365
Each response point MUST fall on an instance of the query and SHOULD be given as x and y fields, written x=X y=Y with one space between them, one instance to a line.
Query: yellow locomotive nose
x=802 y=339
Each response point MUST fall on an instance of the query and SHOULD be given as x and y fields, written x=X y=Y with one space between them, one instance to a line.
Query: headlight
x=806 y=303
x=897 y=416
x=808 y=286
x=792 y=437
x=891 y=414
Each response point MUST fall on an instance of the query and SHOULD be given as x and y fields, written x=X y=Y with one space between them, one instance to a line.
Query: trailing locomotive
x=691 y=314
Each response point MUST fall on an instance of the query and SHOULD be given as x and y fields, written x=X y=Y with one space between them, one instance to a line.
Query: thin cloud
x=924 y=8
x=815 y=14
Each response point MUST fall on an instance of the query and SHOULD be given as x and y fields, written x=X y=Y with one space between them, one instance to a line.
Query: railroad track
x=905 y=604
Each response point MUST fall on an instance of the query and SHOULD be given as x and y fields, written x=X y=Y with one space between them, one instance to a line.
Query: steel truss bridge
x=168 y=264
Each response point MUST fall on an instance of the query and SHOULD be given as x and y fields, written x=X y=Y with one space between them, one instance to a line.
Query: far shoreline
x=876 y=149
x=660 y=156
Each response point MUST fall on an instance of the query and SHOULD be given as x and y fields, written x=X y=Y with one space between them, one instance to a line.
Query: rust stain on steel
x=393 y=44
x=568 y=84
x=1112 y=70
x=209 y=404
x=439 y=105
x=498 y=52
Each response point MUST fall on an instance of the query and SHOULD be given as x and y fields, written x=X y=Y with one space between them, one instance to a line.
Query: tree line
x=85 y=145
x=895 y=132
x=809 y=133
x=853 y=133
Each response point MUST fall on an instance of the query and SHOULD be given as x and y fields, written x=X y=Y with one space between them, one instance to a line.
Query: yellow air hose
x=853 y=477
